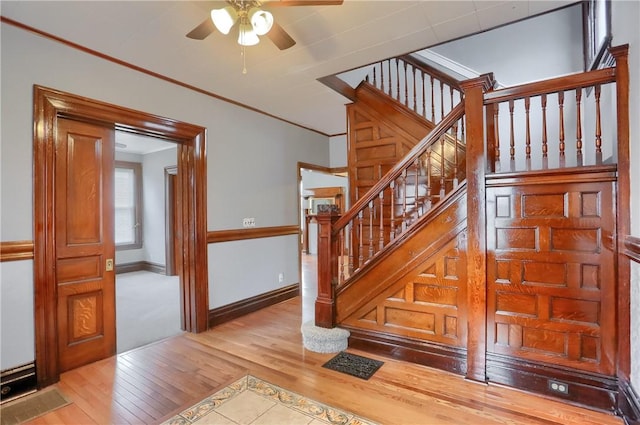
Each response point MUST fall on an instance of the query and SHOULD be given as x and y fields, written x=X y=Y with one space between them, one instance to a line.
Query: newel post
x=327 y=266
x=474 y=90
x=623 y=220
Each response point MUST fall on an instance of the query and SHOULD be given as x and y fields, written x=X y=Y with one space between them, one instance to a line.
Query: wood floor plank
x=147 y=384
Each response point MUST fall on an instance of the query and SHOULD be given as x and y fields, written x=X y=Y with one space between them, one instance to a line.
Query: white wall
x=529 y=50
x=251 y=171
x=338 y=149
x=625 y=17
x=153 y=192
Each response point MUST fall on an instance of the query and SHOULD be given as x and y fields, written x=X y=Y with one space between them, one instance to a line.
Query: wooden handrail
x=395 y=172
x=566 y=82
x=428 y=69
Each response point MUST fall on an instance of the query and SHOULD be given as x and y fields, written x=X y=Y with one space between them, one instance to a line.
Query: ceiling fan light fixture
x=261 y=20
x=247 y=36
x=224 y=18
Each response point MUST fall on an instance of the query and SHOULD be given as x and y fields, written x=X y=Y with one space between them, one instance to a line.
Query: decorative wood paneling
x=16 y=250
x=413 y=302
x=218 y=236
x=428 y=303
x=550 y=274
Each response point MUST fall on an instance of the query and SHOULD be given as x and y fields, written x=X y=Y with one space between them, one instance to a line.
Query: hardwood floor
x=154 y=382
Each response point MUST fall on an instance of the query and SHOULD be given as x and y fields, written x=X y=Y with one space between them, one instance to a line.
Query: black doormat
x=352 y=364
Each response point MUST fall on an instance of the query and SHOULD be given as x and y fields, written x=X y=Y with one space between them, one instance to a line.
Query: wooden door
x=84 y=168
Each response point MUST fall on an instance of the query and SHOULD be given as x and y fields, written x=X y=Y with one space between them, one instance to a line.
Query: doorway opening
x=147 y=284
x=316 y=185
x=52 y=106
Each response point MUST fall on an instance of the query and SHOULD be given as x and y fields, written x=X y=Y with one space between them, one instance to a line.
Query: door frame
x=49 y=105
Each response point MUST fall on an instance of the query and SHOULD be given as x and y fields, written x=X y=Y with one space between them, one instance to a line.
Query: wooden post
x=476 y=226
x=623 y=220
x=327 y=266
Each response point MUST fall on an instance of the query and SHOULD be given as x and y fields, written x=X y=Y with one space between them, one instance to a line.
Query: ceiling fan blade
x=303 y=3
x=203 y=30
x=280 y=37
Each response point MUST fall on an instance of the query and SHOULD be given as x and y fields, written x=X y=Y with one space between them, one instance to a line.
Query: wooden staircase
x=481 y=238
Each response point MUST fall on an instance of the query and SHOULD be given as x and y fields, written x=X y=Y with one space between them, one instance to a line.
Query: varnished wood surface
x=49 y=105
x=16 y=250
x=151 y=383
x=251 y=233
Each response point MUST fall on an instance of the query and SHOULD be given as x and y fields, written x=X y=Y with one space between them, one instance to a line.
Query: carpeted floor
x=147 y=308
x=251 y=400
x=31 y=406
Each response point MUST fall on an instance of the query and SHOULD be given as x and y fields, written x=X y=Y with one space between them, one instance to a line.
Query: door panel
x=84 y=243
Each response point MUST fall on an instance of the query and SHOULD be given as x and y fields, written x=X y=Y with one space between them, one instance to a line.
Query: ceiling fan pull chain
x=244 y=60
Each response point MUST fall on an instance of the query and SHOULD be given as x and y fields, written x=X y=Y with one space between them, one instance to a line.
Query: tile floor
x=252 y=401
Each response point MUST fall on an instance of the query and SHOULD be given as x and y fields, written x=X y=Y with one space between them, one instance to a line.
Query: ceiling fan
x=252 y=21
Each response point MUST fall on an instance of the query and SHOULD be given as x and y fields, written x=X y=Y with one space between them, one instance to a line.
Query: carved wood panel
x=551 y=276
x=84 y=242
x=429 y=303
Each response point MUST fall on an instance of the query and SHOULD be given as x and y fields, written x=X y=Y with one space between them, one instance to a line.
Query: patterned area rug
x=352 y=364
x=31 y=406
x=251 y=400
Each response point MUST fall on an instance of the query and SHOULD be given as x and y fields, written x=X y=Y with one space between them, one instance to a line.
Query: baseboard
x=585 y=389
x=17 y=381
x=451 y=359
x=232 y=311
x=628 y=403
x=140 y=266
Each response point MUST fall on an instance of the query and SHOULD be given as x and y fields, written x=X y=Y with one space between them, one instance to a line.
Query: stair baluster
x=562 y=161
x=579 y=126
x=598 y=127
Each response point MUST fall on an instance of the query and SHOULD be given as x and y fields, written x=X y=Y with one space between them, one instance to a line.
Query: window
x=128 y=205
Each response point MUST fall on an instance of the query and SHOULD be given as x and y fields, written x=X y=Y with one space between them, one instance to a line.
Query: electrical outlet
x=558 y=387
x=281 y=278
x=249 y=222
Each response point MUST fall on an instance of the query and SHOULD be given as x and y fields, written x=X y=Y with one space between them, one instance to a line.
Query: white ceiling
x=330 y=40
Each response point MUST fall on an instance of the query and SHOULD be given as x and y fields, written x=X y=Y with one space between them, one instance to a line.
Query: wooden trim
x=591 y=390
x=595 y=173
x=337 y=84
x=237 y=309
x=451 y=359
x=140 y=266
x=16 y=250
x=49 y=105
x=553 y=85
x=328 y=170
x=217 y=236
x=632 y=248
x=628 y=403
x=136 y=167
x=430 y=70
x=92 y=52
x=17 y=381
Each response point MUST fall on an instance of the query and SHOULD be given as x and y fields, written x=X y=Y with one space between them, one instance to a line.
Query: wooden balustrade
x=540 y=119
x=420 y=87
x=430 y=171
